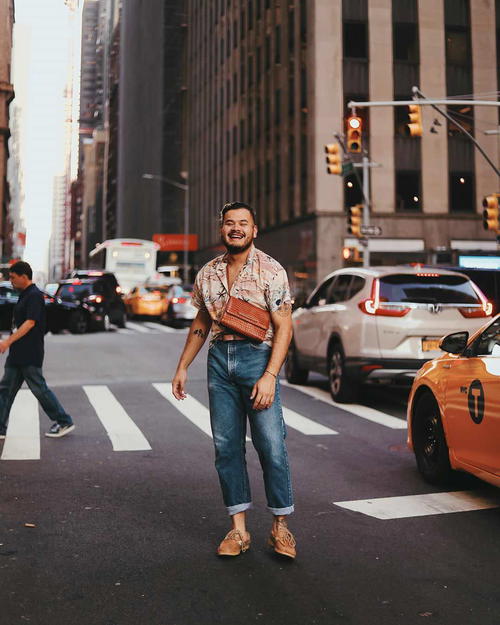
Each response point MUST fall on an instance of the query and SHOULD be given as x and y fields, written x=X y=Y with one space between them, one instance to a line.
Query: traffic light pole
x=366 y=207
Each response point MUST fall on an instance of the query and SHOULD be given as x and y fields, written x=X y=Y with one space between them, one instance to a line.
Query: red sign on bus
x=176 y=242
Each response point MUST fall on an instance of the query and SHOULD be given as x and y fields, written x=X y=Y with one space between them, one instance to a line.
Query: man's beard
x=237 y=249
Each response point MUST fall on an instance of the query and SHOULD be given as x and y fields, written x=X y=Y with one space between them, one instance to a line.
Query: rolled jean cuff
x=282 y=511
x=239 y=507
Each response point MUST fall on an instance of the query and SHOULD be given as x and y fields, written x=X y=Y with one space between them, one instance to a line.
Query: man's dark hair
x=21 y=269
x=229 y=206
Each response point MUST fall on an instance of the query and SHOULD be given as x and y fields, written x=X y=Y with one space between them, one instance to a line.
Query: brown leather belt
x=233 y=337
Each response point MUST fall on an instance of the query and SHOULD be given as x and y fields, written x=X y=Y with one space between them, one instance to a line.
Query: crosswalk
x=23 y=434
x=149 y=327
x=23 y=442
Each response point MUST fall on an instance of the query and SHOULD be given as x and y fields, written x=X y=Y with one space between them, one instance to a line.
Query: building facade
x=268 y=86
x=6 y=97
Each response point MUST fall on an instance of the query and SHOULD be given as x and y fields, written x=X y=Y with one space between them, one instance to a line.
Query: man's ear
x=255 y=230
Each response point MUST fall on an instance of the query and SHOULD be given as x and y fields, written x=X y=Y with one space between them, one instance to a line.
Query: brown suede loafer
x=233 y=544
x=282 y=541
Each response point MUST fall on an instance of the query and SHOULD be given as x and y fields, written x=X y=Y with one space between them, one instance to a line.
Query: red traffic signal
x=354 y=134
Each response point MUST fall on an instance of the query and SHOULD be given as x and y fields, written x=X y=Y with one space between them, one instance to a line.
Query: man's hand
x=4 y=346
x=178 y=384
x=263 y=392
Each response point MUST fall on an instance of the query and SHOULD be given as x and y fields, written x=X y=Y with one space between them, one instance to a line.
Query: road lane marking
x=160 y=327
x=123 y=432
x=421 y=505
x=23 y=432
x=124 y=331
x=138 y=327
x=190 y=407
x=365 y=412
x=304 y=425
x=198 y=414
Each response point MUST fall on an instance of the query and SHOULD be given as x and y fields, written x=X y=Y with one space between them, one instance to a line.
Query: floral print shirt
x=262 y=281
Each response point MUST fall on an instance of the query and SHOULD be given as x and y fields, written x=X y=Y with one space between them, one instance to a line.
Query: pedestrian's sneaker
x=58 y=430
x=2 y=436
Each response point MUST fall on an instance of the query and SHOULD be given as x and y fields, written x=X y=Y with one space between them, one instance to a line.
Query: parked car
x=180 y=309
x=8 y=299
x=379 y=324
x=50 y=288
x=90 y=302
x=147 y=301
x=454 y=408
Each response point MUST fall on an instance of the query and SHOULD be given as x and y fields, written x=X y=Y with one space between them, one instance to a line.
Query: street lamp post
x=185 y=188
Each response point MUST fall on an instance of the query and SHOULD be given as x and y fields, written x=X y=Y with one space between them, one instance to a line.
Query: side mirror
x=454 y=343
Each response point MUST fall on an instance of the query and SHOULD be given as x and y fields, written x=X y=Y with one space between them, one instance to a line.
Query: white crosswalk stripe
x=422 y=505
x=365 y=412
x=23 y=432
x=159 y=327
x=303 y=424
x=138 y=327
x=190 y=407
x=123 y=432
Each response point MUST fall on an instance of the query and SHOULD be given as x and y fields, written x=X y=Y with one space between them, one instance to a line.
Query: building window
x=235 y=87
x=267 y=53
x=242 y=24
x=464 y=115
x=355 y=40
x=277 y=44
x=277 y=107
x=267 y=177
x=235 y=140
x=462 y=193
x=458 y=47
x=291 y=92
x=235 y=33
x=405 y=40
x=250 y=14
x=242 y=134
x=250 y=71
x=408 y=191
x=303 y=22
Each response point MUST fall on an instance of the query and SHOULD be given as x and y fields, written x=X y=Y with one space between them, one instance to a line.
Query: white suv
x=379 y=324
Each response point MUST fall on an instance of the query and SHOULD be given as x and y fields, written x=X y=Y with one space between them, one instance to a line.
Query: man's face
x=17 y=281
x=238 y=230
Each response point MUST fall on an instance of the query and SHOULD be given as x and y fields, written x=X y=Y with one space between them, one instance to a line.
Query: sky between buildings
x=41 y=62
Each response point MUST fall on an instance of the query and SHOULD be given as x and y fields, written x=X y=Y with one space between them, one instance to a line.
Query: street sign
x=176 y=242
x=371 y=231
x=347 y=169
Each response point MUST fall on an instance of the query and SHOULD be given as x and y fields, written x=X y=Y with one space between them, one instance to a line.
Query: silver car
x=180 y=311
x=379 y=324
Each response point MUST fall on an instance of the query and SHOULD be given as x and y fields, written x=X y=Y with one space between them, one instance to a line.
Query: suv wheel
x=294 y=374
x=78 y=322
x=122 y=320
x=106 y=323
x=429 y=442
x=342 y=389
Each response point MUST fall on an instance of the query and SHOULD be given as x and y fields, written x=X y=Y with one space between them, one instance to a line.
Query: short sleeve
x=278 y=292
x=34 y=308
x=197 y=297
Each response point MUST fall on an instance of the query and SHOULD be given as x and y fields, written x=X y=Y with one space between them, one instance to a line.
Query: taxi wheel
x=429 y=442
x=342 y=388
x=294 y=374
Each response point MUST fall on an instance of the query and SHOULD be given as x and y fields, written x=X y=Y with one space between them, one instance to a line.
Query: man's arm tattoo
x=284 y=310
x=199 y=332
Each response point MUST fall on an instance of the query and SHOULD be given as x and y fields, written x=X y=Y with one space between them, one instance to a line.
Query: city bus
x=133 y=261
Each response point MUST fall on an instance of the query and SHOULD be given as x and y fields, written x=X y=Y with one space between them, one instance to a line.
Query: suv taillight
x=484 y=311
x=373 y=305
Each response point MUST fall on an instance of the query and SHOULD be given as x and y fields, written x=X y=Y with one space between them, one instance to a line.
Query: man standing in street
x=26 y=351
x=243 y=376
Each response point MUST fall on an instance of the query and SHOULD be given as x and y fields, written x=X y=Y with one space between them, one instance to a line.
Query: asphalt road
x=117 y=523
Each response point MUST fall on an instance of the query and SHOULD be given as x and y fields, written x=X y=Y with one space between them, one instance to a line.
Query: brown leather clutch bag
x=246 y=319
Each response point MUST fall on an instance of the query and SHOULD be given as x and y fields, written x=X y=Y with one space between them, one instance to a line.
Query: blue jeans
x=10 y=384
x=233 y=369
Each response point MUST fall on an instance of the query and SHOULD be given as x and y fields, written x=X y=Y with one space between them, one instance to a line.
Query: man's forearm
x=21 y=331
x=196 y=338
x=281 y=342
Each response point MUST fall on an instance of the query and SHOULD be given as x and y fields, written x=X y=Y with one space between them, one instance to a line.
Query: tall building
x=14 y=177
x=269 y=84
x=6 y=97
x=151 y=118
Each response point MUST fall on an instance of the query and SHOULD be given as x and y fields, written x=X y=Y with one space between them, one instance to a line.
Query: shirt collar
x=221 y=268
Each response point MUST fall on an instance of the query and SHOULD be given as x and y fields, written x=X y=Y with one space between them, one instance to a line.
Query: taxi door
x=472 y=403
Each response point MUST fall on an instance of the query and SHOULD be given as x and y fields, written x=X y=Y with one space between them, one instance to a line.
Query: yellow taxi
x=148 y=301
x=454 y=408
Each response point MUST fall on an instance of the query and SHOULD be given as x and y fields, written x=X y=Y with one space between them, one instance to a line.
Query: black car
x=8 y=299
x=90 y=300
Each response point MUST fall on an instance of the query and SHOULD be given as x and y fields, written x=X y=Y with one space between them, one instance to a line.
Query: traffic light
x=414 y=128
x=333 y=159
x=354 y=130
x=491 y=212
x=351 y=254
x=354 y=220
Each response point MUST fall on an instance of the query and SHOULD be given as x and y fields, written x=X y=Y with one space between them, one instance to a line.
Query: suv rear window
x=425 y=289
x=70 y=292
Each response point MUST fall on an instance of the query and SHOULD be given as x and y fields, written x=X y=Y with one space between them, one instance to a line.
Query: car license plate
x=430 y=345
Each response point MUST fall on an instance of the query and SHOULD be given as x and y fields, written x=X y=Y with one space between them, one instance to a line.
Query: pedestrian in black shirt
x=25 y=359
